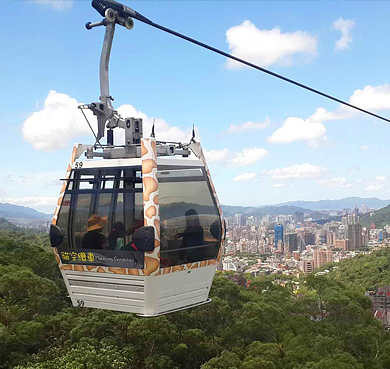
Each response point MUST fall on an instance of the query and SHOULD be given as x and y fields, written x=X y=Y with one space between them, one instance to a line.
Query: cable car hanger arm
x=125 y=12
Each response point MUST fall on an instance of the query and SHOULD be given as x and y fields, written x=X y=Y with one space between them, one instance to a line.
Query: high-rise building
x=321 y=237
x=237 y=219
x=290 y=242
x=354 y=235
x=344 y=221
x=330 y=239
x=298 y=217
x=280 y=247
x=322 y=257
x=341 y=245
x=306 y=265
x=278 y=233
x=309 y=238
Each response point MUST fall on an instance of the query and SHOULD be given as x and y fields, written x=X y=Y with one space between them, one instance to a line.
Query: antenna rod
x=152 y=134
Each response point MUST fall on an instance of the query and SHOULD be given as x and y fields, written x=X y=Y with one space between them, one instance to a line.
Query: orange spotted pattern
x=67 y=175
x=151 y=203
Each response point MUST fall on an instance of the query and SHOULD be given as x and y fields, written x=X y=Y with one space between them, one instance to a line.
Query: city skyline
x=266 y=142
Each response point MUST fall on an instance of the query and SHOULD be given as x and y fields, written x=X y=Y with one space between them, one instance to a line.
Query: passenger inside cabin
x=115 y=238
x=193 y=236
x=94 y=238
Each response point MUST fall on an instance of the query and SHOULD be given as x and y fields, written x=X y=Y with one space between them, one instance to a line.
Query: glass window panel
x=63 y=219
x=86 y=185
x=108 y=184
x=175 y=173
x=80 y=218
x=119 y=216
x=190 y=222
x=124 y=210
x=71 y=183
x=103 y=209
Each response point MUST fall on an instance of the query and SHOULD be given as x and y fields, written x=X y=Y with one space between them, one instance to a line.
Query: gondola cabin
x=138 y=226
x=138 y=235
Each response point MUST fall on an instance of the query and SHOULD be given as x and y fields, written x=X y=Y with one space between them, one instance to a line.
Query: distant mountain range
x=259 y=211
x=346 y=203
x=16 y=211
x=312 y=208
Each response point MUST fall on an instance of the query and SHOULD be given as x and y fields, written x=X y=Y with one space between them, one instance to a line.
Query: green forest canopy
x=380 y=218
x=327 y=325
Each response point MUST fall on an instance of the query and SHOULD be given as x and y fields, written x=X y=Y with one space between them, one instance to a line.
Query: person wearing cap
x=94 y=238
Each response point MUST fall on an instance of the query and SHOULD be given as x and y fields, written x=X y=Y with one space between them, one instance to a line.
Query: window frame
x=203 y=178
x=97 y=188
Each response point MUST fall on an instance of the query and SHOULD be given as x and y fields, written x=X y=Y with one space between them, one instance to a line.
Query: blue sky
x=266 y=140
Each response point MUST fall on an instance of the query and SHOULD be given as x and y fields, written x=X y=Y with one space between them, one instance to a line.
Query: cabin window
x=108 y=192
x=63 y=216
x=190 y=222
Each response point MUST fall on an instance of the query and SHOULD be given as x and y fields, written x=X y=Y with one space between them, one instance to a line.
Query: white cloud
x=244 y=177
x=322 y=115
x=359 y=180
x=374 y=187
x=60 y=121
x=247 y=157
x=56 y=4
x=298 y=129
x=236 y=159
x=215 y=155
x=337 y=181
x=372 y=97
x=369 y=98
x=249 y=126
x=304 y=170
x=344 y=26
x=267 y=47
x=277 y=185
x=163 y=131
x=364 y=147
x=380 y=178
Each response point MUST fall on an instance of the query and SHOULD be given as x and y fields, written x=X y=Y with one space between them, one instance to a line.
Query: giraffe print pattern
x=64 y=185
x=151 y=202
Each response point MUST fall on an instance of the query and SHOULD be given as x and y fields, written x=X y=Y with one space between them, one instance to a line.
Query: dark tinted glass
x=62 y=221
x=115 y=194
x=190 y=223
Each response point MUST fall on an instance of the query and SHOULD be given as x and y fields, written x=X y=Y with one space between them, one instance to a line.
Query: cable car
x=138 y=226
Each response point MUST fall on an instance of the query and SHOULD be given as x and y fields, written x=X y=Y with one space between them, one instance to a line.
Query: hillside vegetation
x=365 y=272
x=327 y=325
x=380 y=218
x=5 y=225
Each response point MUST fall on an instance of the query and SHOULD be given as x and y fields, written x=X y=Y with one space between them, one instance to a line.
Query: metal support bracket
x=106 y=115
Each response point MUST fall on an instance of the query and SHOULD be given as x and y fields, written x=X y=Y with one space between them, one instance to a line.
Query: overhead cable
x=242 y=61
